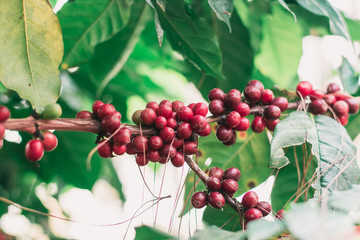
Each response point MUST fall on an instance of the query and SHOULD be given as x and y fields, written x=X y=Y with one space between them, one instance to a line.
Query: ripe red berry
x=105 y=151
x=155 y=142
x=160 y=122
x=105 y=110
x=232 y=140
x=185 y=114
x=318 y=106
x=122 y=137
x=353 y=105
x=191 y=105
x=258 y=124
x=200 y=109
x=176 y=105
x=264 y=207
x=316 y=94
x=250 y=200
x=243 y=125
x=153 y=155
x=216 y=93
x=344 y=119
x=153 y=105
x=117 y=114
x=184 y=130
x=213 y=183
x=243 y=109
x=167 y=150
x=206 y=131
x=171 y=122
x=252 y=214
x=177 y=143
x=190 y=147
x=232 y=173
x=330 y=99
x=4 y=114
x=198 y=200
x=147 y=116
x=281 y=102
x=110 y=123
x=84 y=115
x=50 y=141
x=271 y=124
x=280 y=214
x=163 y=160
x=341 y=108
x=178 y=160
x=252 y=94
x=304 y=88
x=165 y=111
x=229 y=186
x=130 y=149
x=233 y=99
x=34 y=150
x=141 y=159
x=140 y=143
x=256 y=83
x=119 y=149
x=167 y=134
x=198 y=123
x=233 y=119
x=333 y=87
x=267 y=96
x=216 y=200
x=272 y=112
x=165 y=102
x=224 y=133
x=216 y=172
x=2 y=131
x=96 y=106
x=217 y=107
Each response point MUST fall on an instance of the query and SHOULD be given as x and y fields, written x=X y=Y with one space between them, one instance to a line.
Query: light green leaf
x=86 y=23
x=159 y=30
x=227 y=218
x=263 y=229
x=223 y=10
x=195 y=40
x=145 y=232
x=354 y=26
x=349 y=77
x=31 y=50
x=283 y=3
x=213 y=232
x=347 y=201
x=323 y=7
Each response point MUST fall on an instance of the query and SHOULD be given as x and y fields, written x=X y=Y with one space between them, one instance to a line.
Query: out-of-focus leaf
x=158 y=28
x=353 y=126
x=323 y=7
x=223 y=10
x=227 y=218
x=283 y=3
x=347 y=201
x=31 y=50
x=349 y=77
x=280 y=49
x=354 y=27
x=86 y=23
x=194 y=39
x=145 y=232
x=213 y=232
x=263 y=229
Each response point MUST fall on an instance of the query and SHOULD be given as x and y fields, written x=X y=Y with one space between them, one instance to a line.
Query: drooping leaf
x=223 y=10
x=283 y=3
x=323 y=7
x=194 y=39
x=31 y=50
x=86 y=23
x=213 y=232
x=280 y=49
x=227 y=218
x=349 y=77
x=158 y=28
x=263 y=229
x=145 y=232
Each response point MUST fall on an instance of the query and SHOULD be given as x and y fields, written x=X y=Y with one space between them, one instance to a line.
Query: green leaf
x=353 y=29
x=31 y=50
x=227 y=218
x=283 y=3
x=158 y=28
x=223 y=10
x=353 y=126
x=263 y=229
x=86 y=23
x=218 y=234
x=323 y=7
x=146 y=232
x=349 y=77
x=194 y=39
x=347 y=201
x=280 y=49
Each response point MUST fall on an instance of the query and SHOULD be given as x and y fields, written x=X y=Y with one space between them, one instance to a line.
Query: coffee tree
x=74 y=69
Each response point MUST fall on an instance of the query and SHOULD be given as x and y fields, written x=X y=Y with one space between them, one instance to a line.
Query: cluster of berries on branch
x=254 y=209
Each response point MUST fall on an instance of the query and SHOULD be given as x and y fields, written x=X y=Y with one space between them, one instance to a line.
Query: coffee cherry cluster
x=254 y=209
x=218 y=184
x=177 y=129
x=4 y=115
x=340 y=102
x=34 y=149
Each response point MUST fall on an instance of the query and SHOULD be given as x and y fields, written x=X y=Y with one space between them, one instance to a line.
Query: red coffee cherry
x=316 y=94
x=232 y=140
x=122 y=137
x=117 y=114
x=280 y=214
x=155 y=142
x=213 y=184
x=243 y=125
x=191 y=105
x=50 y=141
x=160 y=122
x=258 y=124
x=153 y=105
x=304 y=88
x=2 y=131
x=330 y=99
x=4 y=114
x=216 y=172
x=353 y=105
x=105 y=151
x=178 y=160
x=233 y=119
x=256 y=83
x=184 y=130
x=153 y=155
x=141 y=159
x=272 y=112
x=176 y=105
x=164 y=160
x=198 y=123
x=167 y=134
x=233 y=99
x=216 y=93
x=177 y=143
x=190 y=147
x=198 y=200
x=130 y=149
x=34 y=150
x=318 y=106
x=252 y=94
x=217 y=107
x=333 y=87
x=165 y=102
x=200 y=109
x=267 y=96
x=229 y=186
x=271 y=124
x=105 y=110
x=216 y=200
x=341 y=108
x=250 y=200
x=147 y=116
x=84 y=115
x=264 y=207
x=232 y=173
x=110 y=123
x=96 y=106
x=205 y=132
x=165 y=110
x=340 y=95
x=119 y=149
x=252 y=214
x=140 y=143
x=281 y=102
x=185 y=114
x=344 y=119
x=243 y=109
x=171 y=122
x=224 y=133
x=167 y=150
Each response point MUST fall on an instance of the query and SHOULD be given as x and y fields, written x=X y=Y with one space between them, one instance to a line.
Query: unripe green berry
x=136 y=117
x=52 y=111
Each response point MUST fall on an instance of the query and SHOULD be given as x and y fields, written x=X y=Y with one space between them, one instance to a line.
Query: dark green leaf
x=227 y=218
x=86 y=23
x=223 y=10
x=218 y=234
x=158 y=28
x=31 y=50
x=349 y=77
x=146 y=232
x=263 y=229
x=283 y=3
